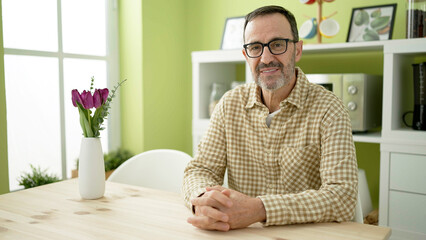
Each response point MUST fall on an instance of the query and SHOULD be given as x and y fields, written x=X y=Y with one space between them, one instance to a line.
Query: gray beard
x=284 y=80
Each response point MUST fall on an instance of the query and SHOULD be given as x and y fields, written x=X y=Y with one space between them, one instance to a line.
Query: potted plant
x=114 y=159
x=36 y=178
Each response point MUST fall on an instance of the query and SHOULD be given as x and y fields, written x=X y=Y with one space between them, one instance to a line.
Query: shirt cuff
x=275 y=214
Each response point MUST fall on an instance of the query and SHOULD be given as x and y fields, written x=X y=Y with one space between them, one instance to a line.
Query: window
x=50 y=48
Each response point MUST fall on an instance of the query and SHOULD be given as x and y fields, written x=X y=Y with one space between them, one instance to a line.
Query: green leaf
x=82 y=112
x=85 y=121
x=97 y=121
x=37 y=177
x=361 y=18
x=88 y=128
x=83 y=126
x=115 y=158
x=376 y=13
x=370 y=35
x=92 y=80
x=380 y=22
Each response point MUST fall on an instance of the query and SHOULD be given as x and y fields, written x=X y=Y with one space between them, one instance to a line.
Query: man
x=287 y=143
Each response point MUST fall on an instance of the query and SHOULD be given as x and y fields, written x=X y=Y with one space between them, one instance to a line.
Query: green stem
x=89 y=119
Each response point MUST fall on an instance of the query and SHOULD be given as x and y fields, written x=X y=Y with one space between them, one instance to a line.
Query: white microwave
x=361 y=94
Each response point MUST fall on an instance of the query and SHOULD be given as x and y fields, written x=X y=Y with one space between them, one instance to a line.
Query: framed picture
x=371 y=23
x=233 y=33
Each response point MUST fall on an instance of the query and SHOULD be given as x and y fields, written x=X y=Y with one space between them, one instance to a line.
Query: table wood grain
x=56 y=211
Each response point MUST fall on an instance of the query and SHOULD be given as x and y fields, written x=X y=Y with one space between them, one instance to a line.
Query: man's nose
x=267 y=56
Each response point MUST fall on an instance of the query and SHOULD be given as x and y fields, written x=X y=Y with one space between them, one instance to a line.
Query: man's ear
x=299 y=47
x=244 y=53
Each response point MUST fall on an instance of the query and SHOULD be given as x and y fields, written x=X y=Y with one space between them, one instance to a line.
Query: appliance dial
x=352 y=106
x=352 y=90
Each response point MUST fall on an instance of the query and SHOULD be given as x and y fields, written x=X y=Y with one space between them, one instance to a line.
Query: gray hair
x=266 y=10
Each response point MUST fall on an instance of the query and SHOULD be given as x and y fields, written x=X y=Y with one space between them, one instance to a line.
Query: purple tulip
x=87 y=99
x=104 y=94
x=97 y=101
x=75 y=97
x=100 y=96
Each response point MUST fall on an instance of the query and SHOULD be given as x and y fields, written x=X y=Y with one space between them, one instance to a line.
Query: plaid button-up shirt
x=303 y=167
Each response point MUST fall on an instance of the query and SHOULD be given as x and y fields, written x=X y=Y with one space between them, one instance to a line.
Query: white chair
x=363 y=204
x=358 y=217
x=160 y=169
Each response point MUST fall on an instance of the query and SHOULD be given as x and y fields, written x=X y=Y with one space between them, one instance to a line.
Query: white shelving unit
x=402 y=196
x=397 y=142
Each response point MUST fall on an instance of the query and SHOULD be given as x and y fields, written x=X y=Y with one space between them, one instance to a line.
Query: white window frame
x=113 y=75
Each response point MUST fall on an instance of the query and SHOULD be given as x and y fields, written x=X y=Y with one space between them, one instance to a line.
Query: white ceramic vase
x=91 y=169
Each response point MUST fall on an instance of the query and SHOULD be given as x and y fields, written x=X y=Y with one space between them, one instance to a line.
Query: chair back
x=363 y=204
x=358 y=217
x=160 y=169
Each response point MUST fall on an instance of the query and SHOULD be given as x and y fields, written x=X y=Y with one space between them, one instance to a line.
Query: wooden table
x=56 y=211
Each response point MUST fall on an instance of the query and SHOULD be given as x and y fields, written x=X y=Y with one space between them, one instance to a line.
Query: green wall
x=4 y=172
x=368 y=155
x=131 y=50
x=166 y=82
x=156 y=100
x=206 y=18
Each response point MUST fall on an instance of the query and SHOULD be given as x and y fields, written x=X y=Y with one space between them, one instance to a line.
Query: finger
x=227 y=192
x=210 y=202
x=217 y=188
x=213 y=213
x=224 y=199
x=208 y=224
x=213 y=198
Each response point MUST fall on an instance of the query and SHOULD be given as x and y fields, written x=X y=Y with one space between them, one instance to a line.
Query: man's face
x=272 y=72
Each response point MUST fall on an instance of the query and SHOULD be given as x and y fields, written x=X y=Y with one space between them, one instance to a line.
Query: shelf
x=394 y=46
x=406 y=136
x=369 y=137
x=215 y=56
x=406 y=46
x=344 y=47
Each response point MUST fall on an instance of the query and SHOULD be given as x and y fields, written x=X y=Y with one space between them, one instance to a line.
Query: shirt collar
x=254 y=96
x=296 y=97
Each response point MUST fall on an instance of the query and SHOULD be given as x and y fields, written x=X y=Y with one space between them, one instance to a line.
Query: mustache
x=272 y=64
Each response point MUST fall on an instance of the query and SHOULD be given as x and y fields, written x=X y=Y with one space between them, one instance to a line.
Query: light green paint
x=4 y=172
x=166 y=82
x=156 y=100
x=207 y=18
x=368 y=155
x=158 y=112
x=130 y=22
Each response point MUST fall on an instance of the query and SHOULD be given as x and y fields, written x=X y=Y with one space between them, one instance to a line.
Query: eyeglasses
x=276 y=47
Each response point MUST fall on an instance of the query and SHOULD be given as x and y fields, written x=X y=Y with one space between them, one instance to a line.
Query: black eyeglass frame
x=268 y=45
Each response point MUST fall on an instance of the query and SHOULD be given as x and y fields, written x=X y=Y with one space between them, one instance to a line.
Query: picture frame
x=372 y=23
x=233 y=33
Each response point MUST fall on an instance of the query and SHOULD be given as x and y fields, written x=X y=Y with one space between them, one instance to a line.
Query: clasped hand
x=223 y=209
